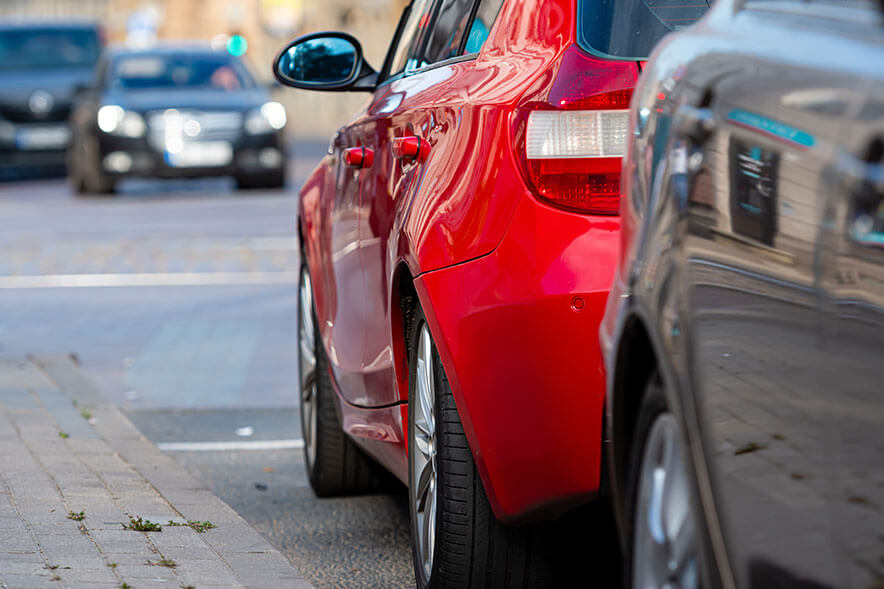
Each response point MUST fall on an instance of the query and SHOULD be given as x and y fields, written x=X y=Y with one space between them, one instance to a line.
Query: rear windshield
x=183 y=70
x=629 y=29
x=39 y=48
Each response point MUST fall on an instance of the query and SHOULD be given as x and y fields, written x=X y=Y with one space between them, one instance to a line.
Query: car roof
x=61 y=25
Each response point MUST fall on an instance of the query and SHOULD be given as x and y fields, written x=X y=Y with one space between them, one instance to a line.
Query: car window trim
x=437 y=7
x=384 y=74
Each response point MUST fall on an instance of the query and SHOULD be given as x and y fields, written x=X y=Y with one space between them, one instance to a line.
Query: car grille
x=22 y=114
x=192 y=126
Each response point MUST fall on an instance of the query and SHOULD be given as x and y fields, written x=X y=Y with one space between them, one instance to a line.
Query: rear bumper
x=517 y=331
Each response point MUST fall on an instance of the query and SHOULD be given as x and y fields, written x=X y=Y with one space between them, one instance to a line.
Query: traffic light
x=237 y=45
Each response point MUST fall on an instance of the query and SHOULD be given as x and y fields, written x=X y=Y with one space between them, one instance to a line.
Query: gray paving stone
x=107 y=469
x=17 y=398
x=28 y=581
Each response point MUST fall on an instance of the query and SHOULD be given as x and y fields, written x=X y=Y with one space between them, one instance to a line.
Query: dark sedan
x=176 y=112
x=744 y=333
x=41 y=67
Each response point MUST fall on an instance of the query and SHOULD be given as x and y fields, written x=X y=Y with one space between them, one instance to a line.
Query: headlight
x=115 y=120
x=270 y=117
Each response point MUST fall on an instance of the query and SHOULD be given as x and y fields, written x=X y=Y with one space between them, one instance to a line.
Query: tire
x=468 y=547
x=335 y=466
x=654 y=500
x=269 y=181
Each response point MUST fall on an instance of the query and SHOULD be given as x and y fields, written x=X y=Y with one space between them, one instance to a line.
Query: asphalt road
x=178 y=298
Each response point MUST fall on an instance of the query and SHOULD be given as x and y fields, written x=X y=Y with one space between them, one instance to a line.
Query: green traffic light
x=237 y=45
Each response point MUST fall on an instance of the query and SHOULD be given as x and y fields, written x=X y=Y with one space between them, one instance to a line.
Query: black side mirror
x=325 y=61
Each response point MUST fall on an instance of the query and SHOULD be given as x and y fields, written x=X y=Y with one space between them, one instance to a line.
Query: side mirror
x=324 y=61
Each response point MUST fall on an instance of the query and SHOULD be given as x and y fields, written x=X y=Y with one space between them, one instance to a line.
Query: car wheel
x=335 y=466
x=664 y=524
x=457 y=541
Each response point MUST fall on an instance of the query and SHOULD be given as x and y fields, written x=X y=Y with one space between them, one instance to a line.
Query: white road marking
x=147 y=279
x=239 y=445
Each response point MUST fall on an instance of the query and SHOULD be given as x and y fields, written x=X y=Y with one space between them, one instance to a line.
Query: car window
x=448 y=30
x=32 y=48
x=482 y=23
x=412 y=33
x=629 y=29
x=214 y=72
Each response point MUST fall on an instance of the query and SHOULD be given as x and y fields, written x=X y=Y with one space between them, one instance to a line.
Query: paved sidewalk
x=74 y=470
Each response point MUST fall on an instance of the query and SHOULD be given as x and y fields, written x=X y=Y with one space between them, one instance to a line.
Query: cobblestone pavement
x=76 y=473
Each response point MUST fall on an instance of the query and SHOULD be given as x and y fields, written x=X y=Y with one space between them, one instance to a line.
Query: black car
x=41 y=67
x=175 y=111
x=744 y=334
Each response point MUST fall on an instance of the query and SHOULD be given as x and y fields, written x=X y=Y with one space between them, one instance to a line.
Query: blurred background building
x=259 y=28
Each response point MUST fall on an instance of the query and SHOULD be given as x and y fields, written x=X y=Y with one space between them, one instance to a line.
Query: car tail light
x=571 y=133
x=574 y=158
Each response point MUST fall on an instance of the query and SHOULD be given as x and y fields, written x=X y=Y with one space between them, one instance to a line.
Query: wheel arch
x=635 y=362
x=403 y=304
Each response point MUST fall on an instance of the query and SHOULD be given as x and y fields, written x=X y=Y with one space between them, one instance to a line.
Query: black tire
x=267 y=181
x=339 y=467
x=472 y=548
x=653 y=407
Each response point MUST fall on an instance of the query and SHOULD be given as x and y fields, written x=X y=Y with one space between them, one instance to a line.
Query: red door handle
x=359 y=157
x=411 y=148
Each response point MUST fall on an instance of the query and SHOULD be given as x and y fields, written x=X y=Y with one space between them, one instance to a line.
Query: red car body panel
x=514 y=331
x=513 y=289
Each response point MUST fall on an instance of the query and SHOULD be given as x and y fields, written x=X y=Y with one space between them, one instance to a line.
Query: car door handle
x=359 y=157
x=697 y=123
x=411 y=148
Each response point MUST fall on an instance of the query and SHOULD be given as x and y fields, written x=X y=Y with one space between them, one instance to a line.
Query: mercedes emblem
x=41 y=102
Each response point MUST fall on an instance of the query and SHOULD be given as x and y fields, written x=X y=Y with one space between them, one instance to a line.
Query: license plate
x=56 y=137
x=208 y=154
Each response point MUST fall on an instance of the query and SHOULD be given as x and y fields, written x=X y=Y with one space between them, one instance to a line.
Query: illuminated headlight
x=115 y=120
x=270 y=117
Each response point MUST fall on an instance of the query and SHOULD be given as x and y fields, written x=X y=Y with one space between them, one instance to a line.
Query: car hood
x=16 y=87
x=148 y=100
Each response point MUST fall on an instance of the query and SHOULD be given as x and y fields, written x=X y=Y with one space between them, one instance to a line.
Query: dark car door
x=778 y=96
x=851 y=256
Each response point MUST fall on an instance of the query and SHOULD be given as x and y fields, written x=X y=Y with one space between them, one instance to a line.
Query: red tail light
x=571 y=133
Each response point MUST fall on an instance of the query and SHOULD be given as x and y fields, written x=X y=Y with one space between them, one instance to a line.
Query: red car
x=459 y=241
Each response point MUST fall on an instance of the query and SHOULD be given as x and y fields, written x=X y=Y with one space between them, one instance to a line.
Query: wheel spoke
x=308 y=385
x=307 y=366
x=425 y=381
x=425 y=485
x=430 y=520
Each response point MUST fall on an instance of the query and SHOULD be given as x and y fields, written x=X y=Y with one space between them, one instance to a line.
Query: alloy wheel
x=307 y=366
x=664 y=548
x=422 y=451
